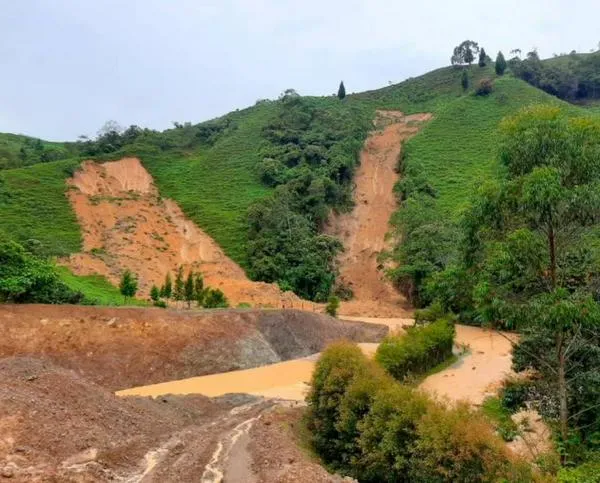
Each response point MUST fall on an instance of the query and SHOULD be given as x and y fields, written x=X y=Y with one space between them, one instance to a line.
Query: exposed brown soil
x=127 y=225
x=126 y=347
x=363 y=231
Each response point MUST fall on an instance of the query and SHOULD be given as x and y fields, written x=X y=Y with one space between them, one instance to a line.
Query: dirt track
x=363 y=231
x=127 y=225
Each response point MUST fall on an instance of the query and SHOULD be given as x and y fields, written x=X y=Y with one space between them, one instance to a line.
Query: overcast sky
x=70 y=65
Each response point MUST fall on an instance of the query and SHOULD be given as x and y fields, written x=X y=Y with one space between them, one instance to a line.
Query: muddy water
x=472 y=378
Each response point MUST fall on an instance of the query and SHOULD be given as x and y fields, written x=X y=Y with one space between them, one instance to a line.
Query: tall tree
x=179 y=290
x=465 y=53
x=464 y=80
x=188 y=290
x=500 y=64
x=533 y=247
x=166 y=290
x=128 y=285
x=341 y=91
x=154 y=293
x=482 y=57
x=199 y=291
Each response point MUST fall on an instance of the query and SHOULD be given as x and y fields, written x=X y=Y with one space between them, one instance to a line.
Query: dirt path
x=126 y=224
x=474 y=377
x=363 y=231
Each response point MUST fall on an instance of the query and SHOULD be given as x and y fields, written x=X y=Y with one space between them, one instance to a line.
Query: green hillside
x=298 y=152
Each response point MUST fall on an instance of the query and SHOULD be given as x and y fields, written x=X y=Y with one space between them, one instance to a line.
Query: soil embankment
x=363 y=231
x=127 y=225
x=126 y=347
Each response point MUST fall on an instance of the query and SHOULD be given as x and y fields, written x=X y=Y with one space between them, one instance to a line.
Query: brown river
x=473 y=377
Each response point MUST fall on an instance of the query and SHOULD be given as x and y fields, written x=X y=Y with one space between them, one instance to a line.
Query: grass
x=97 y=289
x=33 y=205
x=500 y=417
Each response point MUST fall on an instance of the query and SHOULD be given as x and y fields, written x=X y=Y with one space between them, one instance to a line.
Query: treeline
x=20 y=151
x=366 y=425
x=309 y=157
x=525 y=255
x=575 y=77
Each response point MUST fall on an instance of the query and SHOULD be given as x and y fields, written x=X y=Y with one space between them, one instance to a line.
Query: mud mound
x=363 y=231
x=57 y=426
x=127 y=225
x=126 y=347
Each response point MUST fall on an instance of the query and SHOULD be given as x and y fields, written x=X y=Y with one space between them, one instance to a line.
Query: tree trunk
x=562 y=391
x=552 y=248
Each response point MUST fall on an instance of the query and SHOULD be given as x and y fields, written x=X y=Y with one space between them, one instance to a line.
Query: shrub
x=588 y=472
x=214 y=298
x=160 y=303
x=484 y=87
x=458 y=444
x=417 y=351
x=388 y=434
x=333 y=304
x=335 y=371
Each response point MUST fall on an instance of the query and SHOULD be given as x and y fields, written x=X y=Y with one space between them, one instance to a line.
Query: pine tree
x=482 y=57
x=167 y=289
x=179 y=291
x=154 y=293
x=465 y=80
x=189 y=289
x=341 y=91
x=128 y=285
x=199 y=291
x=500 y=64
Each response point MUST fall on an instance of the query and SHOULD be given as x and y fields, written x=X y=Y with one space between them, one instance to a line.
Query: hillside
x=298 y=152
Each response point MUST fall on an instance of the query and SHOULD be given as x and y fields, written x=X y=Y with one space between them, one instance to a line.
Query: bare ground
x=363 y=231
x=126 y=224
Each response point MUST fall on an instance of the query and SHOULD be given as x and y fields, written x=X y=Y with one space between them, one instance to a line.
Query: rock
x=86 y=456
x=43 y=321
x=31 y=378
x=112 y=322
x=8 y=471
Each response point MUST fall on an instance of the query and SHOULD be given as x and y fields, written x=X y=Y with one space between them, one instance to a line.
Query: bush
x=335 y=371
x=458 y=444
x=214 y=298
x=588 y=472
x=160 y=303
x=333 y=304
x=417 y=351
x=484 y=87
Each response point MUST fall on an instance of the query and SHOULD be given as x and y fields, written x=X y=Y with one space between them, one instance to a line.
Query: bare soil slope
x=126 y=347
x=127 y=225
x=363 y=231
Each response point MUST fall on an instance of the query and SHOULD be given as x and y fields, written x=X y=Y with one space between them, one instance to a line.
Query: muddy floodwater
x=472 y=377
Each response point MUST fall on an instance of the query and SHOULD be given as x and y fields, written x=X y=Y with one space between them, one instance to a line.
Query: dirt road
x=363 y=230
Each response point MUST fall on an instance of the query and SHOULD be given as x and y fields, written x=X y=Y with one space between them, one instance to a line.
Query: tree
x=128 y=285
x=188 y=291
x=482 y=57
x=532 y=245
x=199 y=291
x=500 y=64
x=464 y=80
x=341 y=91
x=166 y=290
x=465 y=53
x=155 y=293
x=215 y=298
x=333 y=304
x=179 y=291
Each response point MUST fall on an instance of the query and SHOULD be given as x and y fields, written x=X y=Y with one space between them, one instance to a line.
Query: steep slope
x=127 y=225
x=363 y=230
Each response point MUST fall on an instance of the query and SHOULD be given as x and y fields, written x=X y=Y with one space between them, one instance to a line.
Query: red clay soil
x=363 y=231
x=125 y=347
x=127 y=225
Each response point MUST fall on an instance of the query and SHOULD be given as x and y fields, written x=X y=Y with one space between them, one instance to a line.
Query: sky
x=68 y=66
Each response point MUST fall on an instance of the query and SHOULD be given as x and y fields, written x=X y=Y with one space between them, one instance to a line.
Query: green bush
x=335 y=371
x=214 y=298
x=25 y=278
x=588 y=472
x=484 y=87
x=333 y=304
x=417 y=351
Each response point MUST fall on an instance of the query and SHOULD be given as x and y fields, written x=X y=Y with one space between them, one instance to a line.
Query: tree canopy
x=465 y=53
